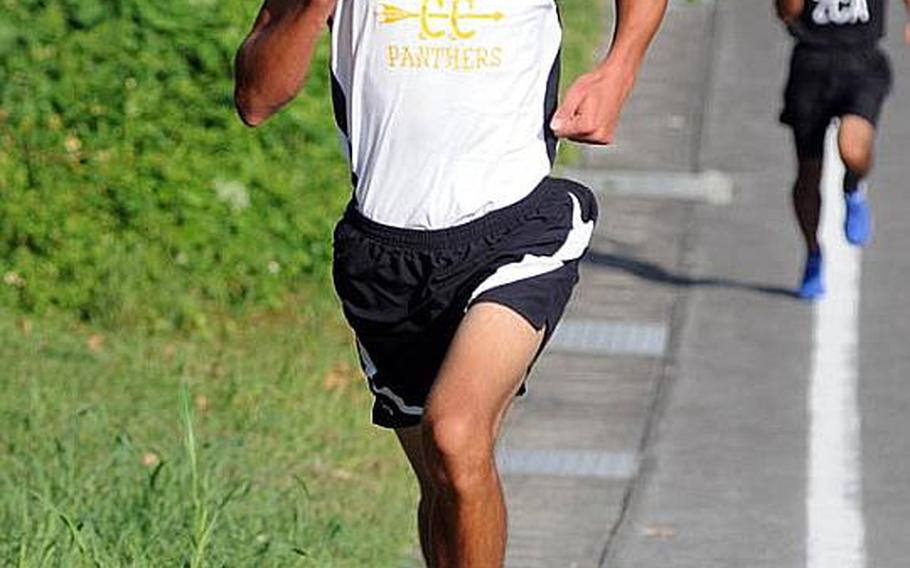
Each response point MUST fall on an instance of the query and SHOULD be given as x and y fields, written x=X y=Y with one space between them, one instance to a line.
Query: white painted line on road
x=710 y=186
x=836 y=533
x=595 y=337
x=567 y=463
x=676 y=4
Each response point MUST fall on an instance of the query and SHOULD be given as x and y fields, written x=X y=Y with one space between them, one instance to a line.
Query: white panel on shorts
x=532 y=266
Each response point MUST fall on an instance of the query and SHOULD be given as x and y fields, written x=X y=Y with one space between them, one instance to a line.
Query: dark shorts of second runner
x=832 y=82
x=405 y=292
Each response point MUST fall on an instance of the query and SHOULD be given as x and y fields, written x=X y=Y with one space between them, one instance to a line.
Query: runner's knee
x=855 y=141
x=857 y=159
x=461 y=451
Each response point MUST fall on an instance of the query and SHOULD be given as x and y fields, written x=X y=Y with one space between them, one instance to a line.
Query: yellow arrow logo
x=431 y=12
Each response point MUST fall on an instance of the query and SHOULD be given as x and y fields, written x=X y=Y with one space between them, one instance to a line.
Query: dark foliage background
x=129 y=192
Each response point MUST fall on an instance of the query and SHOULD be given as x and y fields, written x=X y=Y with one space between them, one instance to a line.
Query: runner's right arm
x=273 y=61
x=790 y=10
x=907 y=25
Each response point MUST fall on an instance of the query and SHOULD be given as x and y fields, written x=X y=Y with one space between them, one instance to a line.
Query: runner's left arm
x=590 y=111
x=790 y=10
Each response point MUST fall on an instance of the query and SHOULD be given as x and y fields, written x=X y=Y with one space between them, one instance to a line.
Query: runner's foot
x=812 y=286
x=858 y=220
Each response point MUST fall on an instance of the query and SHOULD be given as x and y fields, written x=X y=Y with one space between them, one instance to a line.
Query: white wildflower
x=72 y=144
x=233 y=193
x=14 y=279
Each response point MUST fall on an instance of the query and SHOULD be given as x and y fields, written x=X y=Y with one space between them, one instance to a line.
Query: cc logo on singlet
x=437 y=17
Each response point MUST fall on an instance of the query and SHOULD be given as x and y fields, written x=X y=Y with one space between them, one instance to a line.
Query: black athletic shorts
x=831 y=82
x=404 y=292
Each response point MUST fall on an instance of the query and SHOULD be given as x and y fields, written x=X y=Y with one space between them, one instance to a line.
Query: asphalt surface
x=725 y=479
x=699 y=446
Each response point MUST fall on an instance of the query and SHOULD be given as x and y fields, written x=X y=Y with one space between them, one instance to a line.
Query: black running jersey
x=444 y=104
x=841 y=23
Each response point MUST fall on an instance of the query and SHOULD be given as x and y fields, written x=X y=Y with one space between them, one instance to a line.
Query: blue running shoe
x=813 y=284
x=858 y=221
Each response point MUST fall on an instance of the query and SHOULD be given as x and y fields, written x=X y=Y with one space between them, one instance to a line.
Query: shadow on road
x=650 y=271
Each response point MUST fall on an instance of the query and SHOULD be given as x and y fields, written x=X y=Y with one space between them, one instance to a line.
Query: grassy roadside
x=583 y=29
x=96 y=468
x=243 y=442
x=583 y=25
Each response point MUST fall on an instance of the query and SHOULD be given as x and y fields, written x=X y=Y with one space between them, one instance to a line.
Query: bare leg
x=411 y=440
x=807 y=200
x=481 y=374
x=856 y=139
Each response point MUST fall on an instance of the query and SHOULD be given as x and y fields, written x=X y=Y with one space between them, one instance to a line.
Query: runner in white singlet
x=458 y=253
x=445 y=122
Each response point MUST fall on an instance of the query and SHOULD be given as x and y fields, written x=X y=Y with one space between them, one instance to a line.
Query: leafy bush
x=129 y=192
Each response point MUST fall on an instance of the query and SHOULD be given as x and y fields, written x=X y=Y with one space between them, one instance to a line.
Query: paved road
x=692 y=413
x=571 y=450
x=727 y=478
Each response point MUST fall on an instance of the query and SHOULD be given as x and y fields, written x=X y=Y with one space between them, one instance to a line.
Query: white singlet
x=444 y=104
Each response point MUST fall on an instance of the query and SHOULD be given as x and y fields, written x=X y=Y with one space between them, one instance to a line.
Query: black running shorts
x=829 y=82
x=405 y=292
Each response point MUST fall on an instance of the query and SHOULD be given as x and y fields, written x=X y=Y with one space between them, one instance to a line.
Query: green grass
x=167 y=399
x=583 y=25
x=132 y=194
x=247 y=449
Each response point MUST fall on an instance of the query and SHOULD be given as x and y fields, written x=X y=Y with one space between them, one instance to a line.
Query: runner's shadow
x=654 y=273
